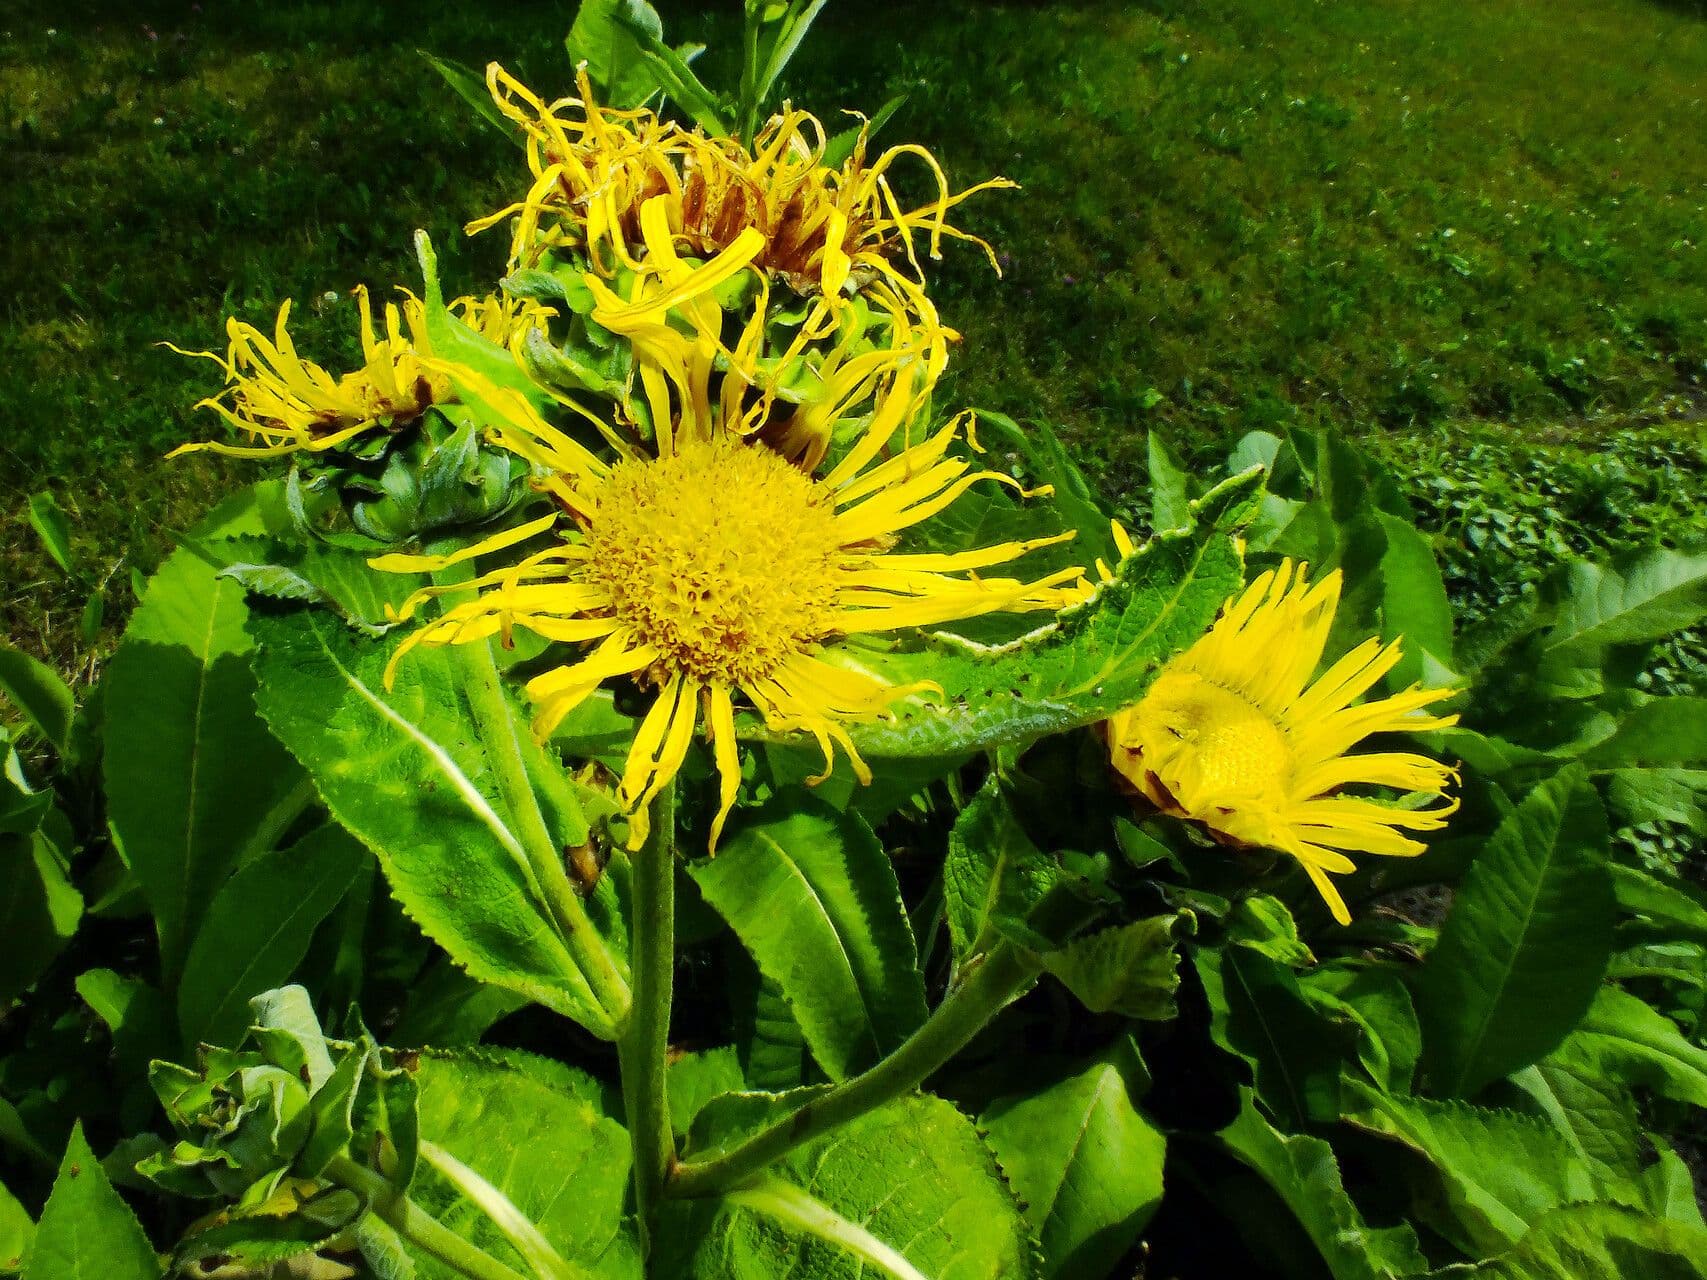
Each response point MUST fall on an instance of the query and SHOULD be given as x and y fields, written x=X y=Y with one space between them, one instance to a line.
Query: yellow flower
x=596 y=168
x=1233 y=734
x=718 y=570
x=662 y=216
x=286 y=403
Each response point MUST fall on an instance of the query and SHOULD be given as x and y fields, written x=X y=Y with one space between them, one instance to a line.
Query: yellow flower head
x=1235 y=735
x=718 y=570
x=596 y=168
x=285 y=403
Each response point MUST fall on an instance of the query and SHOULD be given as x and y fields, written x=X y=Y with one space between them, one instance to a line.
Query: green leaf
x=195 y=783
x=469 y=85
x=697 y=1078
x=137 y=1017
x=39 y=911
x=1599 y=1242
x=1497 y=1171
x=53 y=527
x=1637 y=1044
x=912 y=1178
x=1258 y=1012
x=813 y=897
x=1570 y=1088
x=258 y=930
x=1263 y=923
x=454 y=341
x=1130 y=969
x=1526 y=942
x=17 y=1230
x=1170 y=491
x=670 y=69
x=1664 y=732
x=602 y=40
x=1086 y=1166
x=1639 y=796
x=1304 y=1174
x=1413 y=602
x=533 y=1131
x=1093 y=660
x=86 y=1231
x=841 y=145
x=1665 y=909
x=36 y=690
x=1656 y=596
x=1375 y=997
x=994 y=878
x=406 y=773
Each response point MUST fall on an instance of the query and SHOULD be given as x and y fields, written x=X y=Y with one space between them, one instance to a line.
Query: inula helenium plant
x=641 y=787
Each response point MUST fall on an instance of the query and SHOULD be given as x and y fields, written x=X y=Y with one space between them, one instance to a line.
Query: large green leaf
x=1090 y=662
x=615 y=65
x=1659 y=594
x=1600 y=1242
x=1496 y=1172
x=1130 y=969
x=86 y=1231
x=1259 y=1012
x=1303 y=1172
x=994 y=877
x=39 y=910
x=813 y=897
x=1526 y=942
x=536 y=1134
x=38 y=692
x=17 y=1230
x=195 y=783
x=1594 y=1113
x=1086 y=1166
x=258 y=931
x=1413 y=602
x=407 y=772
x=911 y=1182
x=1664 y=732
x=1637 y=1044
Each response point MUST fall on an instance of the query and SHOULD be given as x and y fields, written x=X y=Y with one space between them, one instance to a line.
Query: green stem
x=415 y=1225
x=643 y=1041
x=988 y=984
x=498 y=734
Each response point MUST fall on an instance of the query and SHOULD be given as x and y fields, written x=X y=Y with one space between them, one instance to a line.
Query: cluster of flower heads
x=718 y=532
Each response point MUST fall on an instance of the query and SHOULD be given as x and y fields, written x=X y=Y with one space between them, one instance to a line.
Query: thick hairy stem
x=416 y=1225
x=644 y=1040
x=988 y=984
x=499 y=735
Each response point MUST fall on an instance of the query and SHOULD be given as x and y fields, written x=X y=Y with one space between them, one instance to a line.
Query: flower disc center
x=723 y=557
x=1232 y=747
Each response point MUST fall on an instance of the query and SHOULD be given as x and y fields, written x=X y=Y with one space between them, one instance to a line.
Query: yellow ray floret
x=719 y=572
x=1234 y=734
x=284 y=403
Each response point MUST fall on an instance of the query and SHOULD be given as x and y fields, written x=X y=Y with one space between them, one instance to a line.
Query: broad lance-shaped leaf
x=1086 y=1166
x=994 y=877
x=1592 y=1241
x=1663 y=592
x=86 y=1231
x=17 y=1230
x=407 y=773
x=1413 y=602
x=39 y=910
x=195 y=783
x=813 y=897
x=907 y=1191
x=1093 y=660
x=36 y=690
x=1639 y=1045
x=528 y=1141
x=1303 y=1172
x=1498 y=1171
x=1526 y=943
x=259 y=928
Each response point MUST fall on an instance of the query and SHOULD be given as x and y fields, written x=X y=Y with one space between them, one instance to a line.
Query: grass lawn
x=1476 y=233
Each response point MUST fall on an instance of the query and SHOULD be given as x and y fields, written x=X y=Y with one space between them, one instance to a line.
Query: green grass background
x=1474 y=234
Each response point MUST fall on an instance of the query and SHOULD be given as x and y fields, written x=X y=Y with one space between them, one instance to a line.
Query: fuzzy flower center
x=723 y=557
x=1226 y=746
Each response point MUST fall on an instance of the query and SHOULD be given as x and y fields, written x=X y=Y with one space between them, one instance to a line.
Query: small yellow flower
x=285 y=403
x=1233 y=734
x=718 y=570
